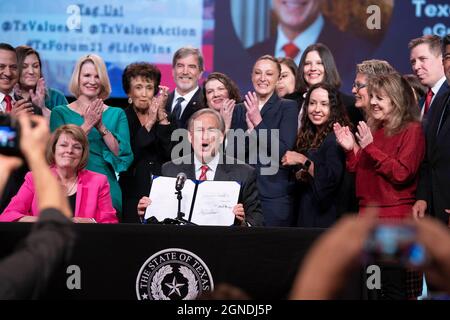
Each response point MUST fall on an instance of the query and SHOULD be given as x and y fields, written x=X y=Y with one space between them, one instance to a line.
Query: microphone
x=181 y=179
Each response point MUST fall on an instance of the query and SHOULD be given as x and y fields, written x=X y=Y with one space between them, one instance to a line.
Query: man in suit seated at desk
x=206 y=135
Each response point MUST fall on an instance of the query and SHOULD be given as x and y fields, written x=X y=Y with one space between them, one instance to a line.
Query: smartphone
x=9 y=136
x=395 y=244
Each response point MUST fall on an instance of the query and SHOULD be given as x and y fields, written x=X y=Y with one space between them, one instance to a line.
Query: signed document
x=214 y=203
x=208 y=203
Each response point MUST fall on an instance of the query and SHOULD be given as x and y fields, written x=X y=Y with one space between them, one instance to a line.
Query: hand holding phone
x=22 y=106
x=9 y=136
x=395 y=244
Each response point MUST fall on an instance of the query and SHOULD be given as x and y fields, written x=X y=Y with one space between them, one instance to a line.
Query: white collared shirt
x=302 y=41
x=3 y=102
x=187 y=99
x=212 y=165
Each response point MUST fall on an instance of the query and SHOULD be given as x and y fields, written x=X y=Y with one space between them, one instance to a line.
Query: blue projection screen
x=226 y=30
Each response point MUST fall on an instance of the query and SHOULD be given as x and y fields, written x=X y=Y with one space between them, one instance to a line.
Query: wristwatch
x=104 y=132
x=306 y=165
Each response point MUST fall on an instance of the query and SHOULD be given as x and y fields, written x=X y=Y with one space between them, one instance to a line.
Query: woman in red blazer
x=88 y=192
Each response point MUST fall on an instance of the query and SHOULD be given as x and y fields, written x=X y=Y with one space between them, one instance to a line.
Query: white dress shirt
x=212 y=165
x=187 y=99
x=302 y=41
x=3 y=102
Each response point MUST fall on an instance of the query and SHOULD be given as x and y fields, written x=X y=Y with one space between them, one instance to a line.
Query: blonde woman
x=105 y=126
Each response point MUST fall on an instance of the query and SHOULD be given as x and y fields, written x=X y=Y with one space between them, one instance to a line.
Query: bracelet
x=164 y=117
x=104 y=132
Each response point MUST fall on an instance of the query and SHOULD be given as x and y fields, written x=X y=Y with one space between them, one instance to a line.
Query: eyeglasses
x=358 y=86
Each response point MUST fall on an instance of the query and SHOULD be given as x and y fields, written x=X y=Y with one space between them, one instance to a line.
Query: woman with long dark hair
x=318 y=65
x=320 y=160
x=31 y=84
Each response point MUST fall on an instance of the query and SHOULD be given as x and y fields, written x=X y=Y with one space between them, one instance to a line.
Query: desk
x=261 y=261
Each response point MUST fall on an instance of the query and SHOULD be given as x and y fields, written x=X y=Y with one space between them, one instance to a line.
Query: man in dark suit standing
x=206 y=134
x=301 y=24
x=433 y=191
x=16 y=106
x=187 y=69
x=9 y=76
x=426 y=63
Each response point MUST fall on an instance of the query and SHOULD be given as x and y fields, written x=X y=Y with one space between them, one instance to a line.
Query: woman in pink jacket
x=88 y=192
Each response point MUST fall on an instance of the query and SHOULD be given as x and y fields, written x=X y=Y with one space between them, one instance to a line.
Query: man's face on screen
x=296 y=15
x=8 y=71
x=186 y=73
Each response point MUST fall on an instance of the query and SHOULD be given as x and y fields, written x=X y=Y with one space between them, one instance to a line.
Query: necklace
x=72 y=189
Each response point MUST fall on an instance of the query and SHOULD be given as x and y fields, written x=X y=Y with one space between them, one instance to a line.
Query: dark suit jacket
x=195 y=104
x=241 y=173
x=318 y=198
x=434 y=182
x=279 y=118
x=150 y=150
x=442 y=92
x=278 y=114
x=347 y=49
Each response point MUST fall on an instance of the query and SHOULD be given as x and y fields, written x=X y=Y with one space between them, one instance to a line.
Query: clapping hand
x=163 y=96
x=161 y=101
x=364 y=135
x=344 y=137
x=251 y=103
x=93 y=113
x=152 y=113
x=250 y=126
x=227 y=112
x=38 y=96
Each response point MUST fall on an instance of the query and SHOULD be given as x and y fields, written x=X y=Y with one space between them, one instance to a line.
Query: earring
x=130 y=101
